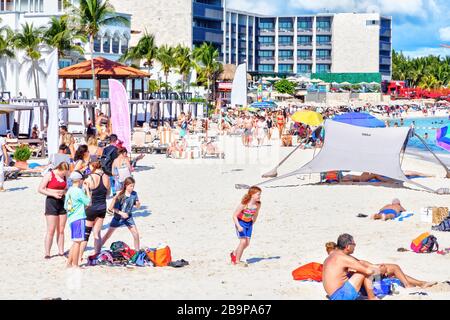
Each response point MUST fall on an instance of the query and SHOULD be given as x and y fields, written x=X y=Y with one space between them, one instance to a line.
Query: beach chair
x=138 y=143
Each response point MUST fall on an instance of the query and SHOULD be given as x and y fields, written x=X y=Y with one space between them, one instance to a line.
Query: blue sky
x=419 y=26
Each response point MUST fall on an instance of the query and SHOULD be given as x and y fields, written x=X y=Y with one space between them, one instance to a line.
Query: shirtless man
x=248 y=126
x=389 y=211
x=337 y=267
x=365 y=177
x=388 y=270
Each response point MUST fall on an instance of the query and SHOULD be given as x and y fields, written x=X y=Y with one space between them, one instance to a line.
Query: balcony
x=266 y=60
x=385 y=32
x=324 y=44
x=267 y=31
x=385 y=61
x=304 y=30
x=323 y=30
x=302 y=45
x=304 y=58
x=286 y=44
x=385 y=47
x=286 y=59
x=267 y=45
x=324 y=59
x=286 y=30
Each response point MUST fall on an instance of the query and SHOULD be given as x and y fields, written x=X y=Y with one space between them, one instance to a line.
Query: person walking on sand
x=98 y=184
x=54 y=185
x=75 y=202
x=122 y=205
x=244 y=218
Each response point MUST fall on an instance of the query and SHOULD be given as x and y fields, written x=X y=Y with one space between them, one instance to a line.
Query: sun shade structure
x=103 y=68
x=360 y=119
x=264 y=105
x=352 y=148
x=310 y=118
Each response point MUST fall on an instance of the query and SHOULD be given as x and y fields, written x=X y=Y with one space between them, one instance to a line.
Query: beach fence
x=76 y=113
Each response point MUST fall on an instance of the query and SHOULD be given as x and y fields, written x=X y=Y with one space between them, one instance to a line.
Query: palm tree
x=61 y=36
x=208 y=68
x=184 y=64
x=6 y=53
x=90 y=16
x=30 y=40
x=166 y=57
x=145 y=49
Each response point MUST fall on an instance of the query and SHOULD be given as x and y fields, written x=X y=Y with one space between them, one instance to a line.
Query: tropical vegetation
x=430 y=72
x=285 y=86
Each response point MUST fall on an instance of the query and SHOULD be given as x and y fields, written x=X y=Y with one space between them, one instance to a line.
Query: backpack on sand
x=425 y=243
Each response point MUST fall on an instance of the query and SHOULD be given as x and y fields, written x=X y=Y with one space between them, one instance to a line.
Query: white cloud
x=424 y=52
x=265 y=7
x=444 y=34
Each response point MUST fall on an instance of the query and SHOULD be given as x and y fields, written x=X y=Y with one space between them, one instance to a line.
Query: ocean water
x=422 y=126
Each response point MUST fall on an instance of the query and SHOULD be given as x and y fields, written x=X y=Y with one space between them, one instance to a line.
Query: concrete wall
x=169 y=20
x=344 y=97
x=356 y=45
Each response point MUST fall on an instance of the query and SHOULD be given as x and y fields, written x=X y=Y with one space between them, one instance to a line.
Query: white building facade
x=110 y=43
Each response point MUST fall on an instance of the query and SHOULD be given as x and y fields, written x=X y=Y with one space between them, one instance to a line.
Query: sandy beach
x=188 y=205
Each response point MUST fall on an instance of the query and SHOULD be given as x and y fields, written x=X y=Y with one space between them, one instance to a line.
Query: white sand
x=189 y=204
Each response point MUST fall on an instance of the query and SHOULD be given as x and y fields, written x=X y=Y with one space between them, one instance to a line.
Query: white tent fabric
x=348 y=147
x=239 y=89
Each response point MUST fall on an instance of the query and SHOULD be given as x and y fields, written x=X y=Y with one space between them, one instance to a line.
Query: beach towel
x=309 y=272
x=403 y=216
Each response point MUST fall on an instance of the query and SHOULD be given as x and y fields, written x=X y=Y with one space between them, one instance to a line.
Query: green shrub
x=22 y=153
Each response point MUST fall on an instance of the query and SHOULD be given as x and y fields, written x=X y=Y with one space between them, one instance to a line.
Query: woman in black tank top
x=99 y=187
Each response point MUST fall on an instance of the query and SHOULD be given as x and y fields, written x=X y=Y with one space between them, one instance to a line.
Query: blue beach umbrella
x=264 y=105
x=360 y=119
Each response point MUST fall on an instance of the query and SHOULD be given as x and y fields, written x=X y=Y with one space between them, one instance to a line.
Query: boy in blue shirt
x=75 y=202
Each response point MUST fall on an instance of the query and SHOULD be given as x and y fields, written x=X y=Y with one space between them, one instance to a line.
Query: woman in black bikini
x=99 y=186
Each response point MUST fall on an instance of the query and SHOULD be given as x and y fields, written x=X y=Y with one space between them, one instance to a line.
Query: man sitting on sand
x=336 y=269
x=389 y=211
x=387 y=270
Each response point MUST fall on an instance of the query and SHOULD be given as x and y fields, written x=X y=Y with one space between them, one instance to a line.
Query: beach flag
x=120 y=114
x=53 y=103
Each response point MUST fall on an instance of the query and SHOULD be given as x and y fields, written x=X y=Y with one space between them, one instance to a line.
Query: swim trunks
x=390 y=211
x=346 y=292
x=78 y=228
x=248 y=228
x=118 y=221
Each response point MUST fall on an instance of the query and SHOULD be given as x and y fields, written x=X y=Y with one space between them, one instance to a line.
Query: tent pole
x=439 y=160
x=314 y=154
x=273 y=172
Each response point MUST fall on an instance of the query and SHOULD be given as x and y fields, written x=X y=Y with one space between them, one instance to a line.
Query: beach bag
x=119 y=246
x=161 y=257
x=383 y=287
x=103 y=258
x=443 y=226
x=309 y=272
x=425 y=243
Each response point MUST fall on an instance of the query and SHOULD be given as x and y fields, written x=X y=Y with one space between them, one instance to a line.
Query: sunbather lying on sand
x=210 y=148
x=389 y=211
x=365 y=177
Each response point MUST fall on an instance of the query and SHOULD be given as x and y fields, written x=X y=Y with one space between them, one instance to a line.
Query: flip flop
x=47 y=257
x=402 y=250
x=360 y=215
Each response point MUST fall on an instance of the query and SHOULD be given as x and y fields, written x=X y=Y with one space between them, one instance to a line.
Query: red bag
x=160 y=257
x=311 y=271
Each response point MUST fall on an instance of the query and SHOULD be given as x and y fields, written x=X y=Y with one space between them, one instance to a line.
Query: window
x=305 y=40
x=323 y=54
x=304 y=54
x=115 y=45
x=323 y=39
x=106 y=44
x=285 y=24
x=265 y=53
x=265 y=68
x=266 y=24
x=372 y=22
x=266 y=40
x=304 y=68
x=305 y=24
x=63 y=63
x=323 y=24
x=285 y=40
x=323 y=68
x=285 y=68
x=285 y=54
x=97 y=44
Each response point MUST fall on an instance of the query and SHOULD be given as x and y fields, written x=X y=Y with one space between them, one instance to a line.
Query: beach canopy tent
x=351 y=148
x=360 y=119
x=103 y=69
